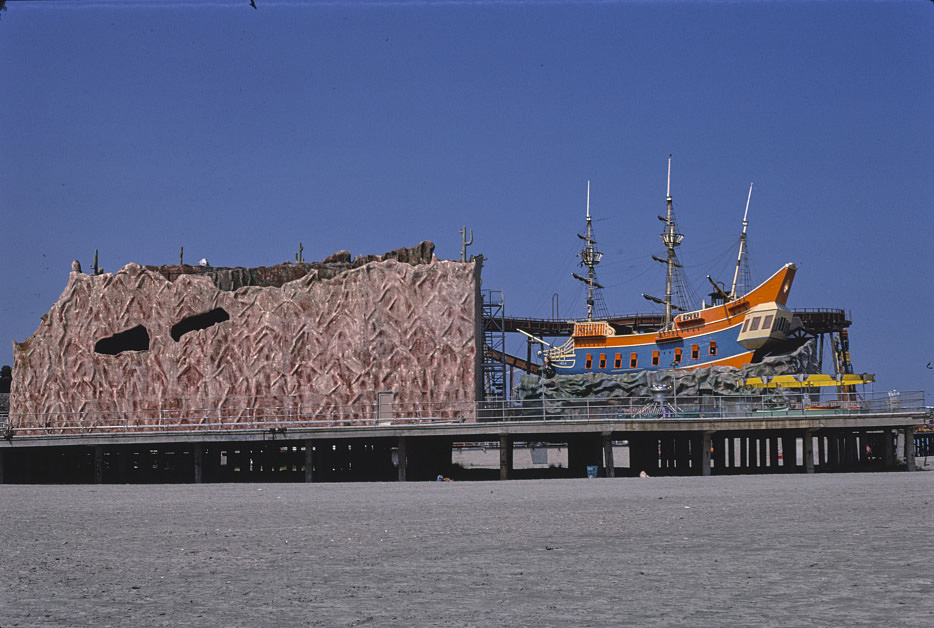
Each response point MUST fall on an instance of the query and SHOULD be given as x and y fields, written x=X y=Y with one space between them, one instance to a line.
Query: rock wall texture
x=715 y=380
x=163 y=346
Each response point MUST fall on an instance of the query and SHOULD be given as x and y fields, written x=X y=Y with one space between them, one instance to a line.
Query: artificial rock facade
x=698 y=382
x=161 y=344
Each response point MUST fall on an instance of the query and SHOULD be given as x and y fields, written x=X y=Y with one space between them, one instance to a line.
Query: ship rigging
x=590 y=257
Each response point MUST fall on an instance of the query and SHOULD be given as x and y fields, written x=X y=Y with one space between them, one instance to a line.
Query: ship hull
x=717 y=348
x=703 y=338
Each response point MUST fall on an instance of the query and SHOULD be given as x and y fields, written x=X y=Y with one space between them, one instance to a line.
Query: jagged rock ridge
x=276 y=276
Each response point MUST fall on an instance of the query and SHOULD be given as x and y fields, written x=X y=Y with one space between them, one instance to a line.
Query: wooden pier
x=419 y=449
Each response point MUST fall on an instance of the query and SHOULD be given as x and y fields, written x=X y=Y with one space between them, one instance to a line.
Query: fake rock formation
x=172 y=345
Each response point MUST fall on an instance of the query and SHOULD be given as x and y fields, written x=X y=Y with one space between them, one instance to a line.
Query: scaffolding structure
x=494 y=345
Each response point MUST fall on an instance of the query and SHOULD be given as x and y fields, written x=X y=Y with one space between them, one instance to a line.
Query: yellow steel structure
x=808 y=381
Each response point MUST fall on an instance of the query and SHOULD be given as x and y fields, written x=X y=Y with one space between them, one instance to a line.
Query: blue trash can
x=591 y=471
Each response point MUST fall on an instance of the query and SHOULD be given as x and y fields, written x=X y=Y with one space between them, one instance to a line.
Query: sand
x=816 y=550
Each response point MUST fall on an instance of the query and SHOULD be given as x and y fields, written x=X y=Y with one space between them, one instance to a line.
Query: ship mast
x=742 y=247
x=590 y=257
x=672 y=239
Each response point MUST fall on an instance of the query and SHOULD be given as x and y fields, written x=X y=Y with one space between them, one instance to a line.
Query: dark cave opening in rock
x=135 y=339
x=198 y=321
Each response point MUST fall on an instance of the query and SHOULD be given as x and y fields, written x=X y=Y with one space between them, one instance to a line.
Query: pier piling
x=417 y=450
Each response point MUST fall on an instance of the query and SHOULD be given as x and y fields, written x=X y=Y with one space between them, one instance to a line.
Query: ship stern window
x=602 y=360
x=713 y=347
x=695 y=352
x=633 y=360
x=677 y=355
x=655 y=358
x=755 y=323
x=767 y=322
x=618 y=362
x=588 y=362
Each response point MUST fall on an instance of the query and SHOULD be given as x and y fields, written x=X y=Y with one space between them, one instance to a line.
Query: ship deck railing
x=280 y=418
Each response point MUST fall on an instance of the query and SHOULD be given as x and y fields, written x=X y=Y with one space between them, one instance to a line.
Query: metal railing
x=4 y=412
x=223 y=416
x=278 y=418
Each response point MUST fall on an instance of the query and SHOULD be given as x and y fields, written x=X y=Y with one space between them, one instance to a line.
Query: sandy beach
x=818 y=550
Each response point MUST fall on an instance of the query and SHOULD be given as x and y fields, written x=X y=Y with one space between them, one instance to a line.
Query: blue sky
x=139 y=127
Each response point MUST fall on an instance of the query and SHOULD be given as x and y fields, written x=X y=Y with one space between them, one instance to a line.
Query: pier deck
x=367 y=444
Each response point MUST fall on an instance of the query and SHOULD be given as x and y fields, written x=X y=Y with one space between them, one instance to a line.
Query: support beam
x=773 y=452
x=790 y=453
x=833 y=451
x=685 y=452
x=98 y=464
x=122 y=455
x=197 y=453
x=910 y=448
x=309 y=461
x=608 y=461
x=705 y=452
x=851 y=449
x=505 y=456
x=809 y=451
x=402 y=459
x=888 y=449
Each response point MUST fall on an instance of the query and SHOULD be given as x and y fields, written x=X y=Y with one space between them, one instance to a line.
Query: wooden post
x=851 y=449
x=608 y=461
x=833 y=450
x=790 y=453
x=198 y=455
x=309 y=461
x=888 y=449
x=98 y=464
x=505 y=456
x=809 y=451
x=402 y=459
x=705 y=453
x=910 y=448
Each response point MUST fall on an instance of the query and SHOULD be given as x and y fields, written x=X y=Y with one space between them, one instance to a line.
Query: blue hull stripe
x=726 y=347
